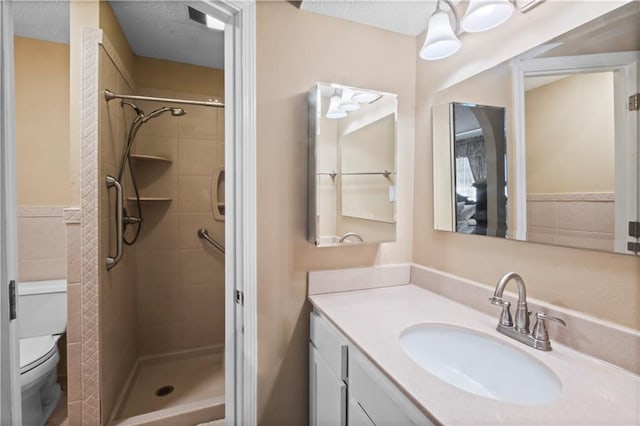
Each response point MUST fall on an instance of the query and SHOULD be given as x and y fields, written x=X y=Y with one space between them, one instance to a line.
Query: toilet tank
x=42 y=308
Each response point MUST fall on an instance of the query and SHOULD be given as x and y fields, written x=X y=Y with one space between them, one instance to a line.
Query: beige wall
x=42 y=122
x=570 y=148
x=295 y=49
x=587 y=281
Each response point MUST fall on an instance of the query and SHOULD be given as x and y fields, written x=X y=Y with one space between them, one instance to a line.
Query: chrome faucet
x=350 y=234
x=519 y=329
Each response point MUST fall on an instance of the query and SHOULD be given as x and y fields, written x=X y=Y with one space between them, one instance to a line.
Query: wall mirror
x=352 y=165
x=571 y=130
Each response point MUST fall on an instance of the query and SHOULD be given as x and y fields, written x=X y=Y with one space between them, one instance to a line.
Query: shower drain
x=164 y=391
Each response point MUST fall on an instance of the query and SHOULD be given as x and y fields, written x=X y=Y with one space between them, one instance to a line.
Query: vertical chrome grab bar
x=204 y=234
x=113 y=261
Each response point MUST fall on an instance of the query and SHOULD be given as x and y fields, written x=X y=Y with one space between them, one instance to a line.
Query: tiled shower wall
x=180 y=278
x=118 y=338
x=576 y=220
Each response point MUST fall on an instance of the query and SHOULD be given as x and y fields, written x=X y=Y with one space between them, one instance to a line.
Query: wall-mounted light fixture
x=442 y=38
x=346 y=99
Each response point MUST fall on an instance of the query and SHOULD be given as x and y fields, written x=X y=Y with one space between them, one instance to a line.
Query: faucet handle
x=540 y=329
x=505 y=317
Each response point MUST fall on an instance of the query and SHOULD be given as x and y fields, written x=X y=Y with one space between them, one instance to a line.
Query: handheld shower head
x=135 y=108
x=176 y=112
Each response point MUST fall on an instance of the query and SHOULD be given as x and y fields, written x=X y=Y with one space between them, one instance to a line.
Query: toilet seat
x=35 y=351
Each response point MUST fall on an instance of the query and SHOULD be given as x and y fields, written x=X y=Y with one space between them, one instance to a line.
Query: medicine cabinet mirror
x=352 y=165
x=571 y=130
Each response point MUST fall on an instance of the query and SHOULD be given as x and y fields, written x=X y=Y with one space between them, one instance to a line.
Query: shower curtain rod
x=109 y=95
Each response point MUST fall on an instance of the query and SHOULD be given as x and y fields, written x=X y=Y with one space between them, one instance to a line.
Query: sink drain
x=164 y=391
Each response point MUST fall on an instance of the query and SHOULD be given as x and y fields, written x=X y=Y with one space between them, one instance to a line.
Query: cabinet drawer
x=379 y=398
x=330 y=344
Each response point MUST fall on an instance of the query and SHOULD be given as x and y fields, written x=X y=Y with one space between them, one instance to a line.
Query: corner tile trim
x=334 y=281
x=72 y=215
x=40 y=211
x=577 y=196
x=601 y=339
x=91 y=37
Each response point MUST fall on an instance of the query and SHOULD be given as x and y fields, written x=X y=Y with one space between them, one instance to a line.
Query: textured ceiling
x=400 y=16
x=42 y=20
x=163 y=30
x=155 y=29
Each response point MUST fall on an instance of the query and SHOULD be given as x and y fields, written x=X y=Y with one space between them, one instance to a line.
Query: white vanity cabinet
x=327 y=374
x=347 y=389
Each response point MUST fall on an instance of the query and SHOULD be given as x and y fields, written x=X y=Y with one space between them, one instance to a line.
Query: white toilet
x=42 y=320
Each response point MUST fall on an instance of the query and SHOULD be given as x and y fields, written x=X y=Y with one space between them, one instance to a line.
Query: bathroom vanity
x=362 y=370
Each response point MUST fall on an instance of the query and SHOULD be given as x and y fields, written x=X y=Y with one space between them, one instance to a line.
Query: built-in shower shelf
x=153 y=158
x=151 y=199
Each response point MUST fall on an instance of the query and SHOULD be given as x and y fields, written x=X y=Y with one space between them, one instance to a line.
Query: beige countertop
x=593 y=392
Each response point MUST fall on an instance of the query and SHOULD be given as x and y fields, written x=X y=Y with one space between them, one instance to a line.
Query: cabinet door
x=357 y=415
x=327 y=393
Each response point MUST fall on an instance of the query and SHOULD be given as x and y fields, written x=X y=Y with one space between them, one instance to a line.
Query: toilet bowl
x=38 y=378
x=42 y=320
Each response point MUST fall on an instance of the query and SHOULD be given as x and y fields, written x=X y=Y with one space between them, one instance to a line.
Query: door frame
x=10 y=396
x=241 y=209
x=624 y=67
x=240 y=213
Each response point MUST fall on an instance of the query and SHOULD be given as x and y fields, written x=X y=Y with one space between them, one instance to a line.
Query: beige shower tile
x=74 y=372
x=74 y=412
x=219 y=156
x=74 y=309
x=157 y=268
x=219 y=134
x=160 y=228
x=164 y=125
x=542 y=214
x=194 y=194
x=576 y=216
x=174 y=337
x=199 y=123
x=42 y=269
x=190 y=223
x=74 y=258
x=163 y=146
x=156 y=179
x=196 y=157
x=200 y=266
x=41 y=238
x=604 y=216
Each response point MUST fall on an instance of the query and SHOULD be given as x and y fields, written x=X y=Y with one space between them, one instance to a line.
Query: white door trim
x=10 y=396
x=240 y=209
x=625 y=84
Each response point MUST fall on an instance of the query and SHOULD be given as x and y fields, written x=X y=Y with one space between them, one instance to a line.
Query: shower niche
x=352 y=165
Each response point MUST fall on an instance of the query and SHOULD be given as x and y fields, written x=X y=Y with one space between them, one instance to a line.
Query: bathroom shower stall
x=161 y=234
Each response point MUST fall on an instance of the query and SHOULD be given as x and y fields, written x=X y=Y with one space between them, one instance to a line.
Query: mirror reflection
x=352 y=165
x=479 y=152
x=571 y=139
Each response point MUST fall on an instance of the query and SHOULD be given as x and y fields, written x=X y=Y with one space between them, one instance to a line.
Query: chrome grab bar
x=113 y=261
x=204 y=235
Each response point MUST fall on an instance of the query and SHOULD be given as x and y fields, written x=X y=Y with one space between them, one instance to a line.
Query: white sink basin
x=480 y=364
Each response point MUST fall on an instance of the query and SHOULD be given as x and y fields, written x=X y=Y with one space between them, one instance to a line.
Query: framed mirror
x=352 y=165
x=571 y=132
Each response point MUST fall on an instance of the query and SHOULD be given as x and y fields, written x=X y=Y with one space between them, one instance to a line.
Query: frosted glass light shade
x=346 y=101
x=483 y=15
x=441 y=40
x=334 y=110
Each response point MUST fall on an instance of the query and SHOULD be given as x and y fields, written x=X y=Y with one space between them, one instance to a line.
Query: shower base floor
x=186 y=387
